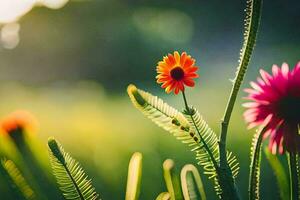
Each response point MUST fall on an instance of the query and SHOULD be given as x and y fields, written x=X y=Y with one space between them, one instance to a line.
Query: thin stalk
x=252 y=24
x=294 y=185
x=253 y=15
x=254 y=176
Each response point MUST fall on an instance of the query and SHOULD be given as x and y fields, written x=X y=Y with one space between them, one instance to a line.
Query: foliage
x=186 y=128
x=15 y=178
x=294 y=170
x=69 y=175
x=191 y=183
x=172 y=180
x=254 y=177
x=134 y=177
x=281 y=177
x=163 y=196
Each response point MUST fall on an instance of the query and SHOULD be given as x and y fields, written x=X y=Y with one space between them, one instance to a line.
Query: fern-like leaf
x=18 y=180
x=165 y=117
x=134 y=177
x=191 y=183
x=70 y=176
x=184 y=128
x=281 y=177
x=211 y=140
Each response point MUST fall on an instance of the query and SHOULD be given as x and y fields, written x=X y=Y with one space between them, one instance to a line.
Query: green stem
x=253 y=16
x=252 y=24
x=294 y=185
x=254 y=175
x=188 y=110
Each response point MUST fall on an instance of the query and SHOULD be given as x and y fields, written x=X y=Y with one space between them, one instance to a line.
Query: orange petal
x=183 y=58
x=163 y=79
x=176 y=91
x=189 y=82
x=167 y=84
x=189 y=62
x=162 y=75
x=171 y=60
x=192 y=75
x=177 y=57
x=170 y=87
x=191 y=69
x=162 y=70
x=181 y=86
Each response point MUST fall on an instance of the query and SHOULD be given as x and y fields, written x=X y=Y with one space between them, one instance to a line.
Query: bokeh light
x=12 y=10
x=9 y=35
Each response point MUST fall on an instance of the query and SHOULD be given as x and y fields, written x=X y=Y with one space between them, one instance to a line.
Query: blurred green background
x=71 y=67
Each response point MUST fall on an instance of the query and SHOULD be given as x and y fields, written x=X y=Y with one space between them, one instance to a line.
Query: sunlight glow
x=12 y=10
x=53 y=4
x=9 y=35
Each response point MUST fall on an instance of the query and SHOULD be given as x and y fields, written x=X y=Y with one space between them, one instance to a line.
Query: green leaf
x=191 y=183
x=70 y=176
x=17 y=179
x=134 y=177
x=172 y=180
x=281 y=177
x=183 y=129
x=163 y=196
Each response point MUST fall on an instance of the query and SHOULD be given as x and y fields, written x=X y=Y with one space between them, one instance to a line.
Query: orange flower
x=175 y=71
x=18 y=120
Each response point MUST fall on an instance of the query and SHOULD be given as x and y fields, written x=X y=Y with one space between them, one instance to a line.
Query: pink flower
x=276 y=98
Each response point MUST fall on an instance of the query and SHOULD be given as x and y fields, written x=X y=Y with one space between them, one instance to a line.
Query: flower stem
x=185 y=102
x=293 y=169
x=254 y=176
x=253 y=15
x=252 y=24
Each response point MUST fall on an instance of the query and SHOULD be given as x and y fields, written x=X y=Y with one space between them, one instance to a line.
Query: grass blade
x=134 y=177
x=191 y=183
x=172 y=180
x=17 y=180
x=281 y=177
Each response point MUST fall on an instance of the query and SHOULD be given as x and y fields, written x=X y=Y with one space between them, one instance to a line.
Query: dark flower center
x=289 y=108
x=177 y=73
